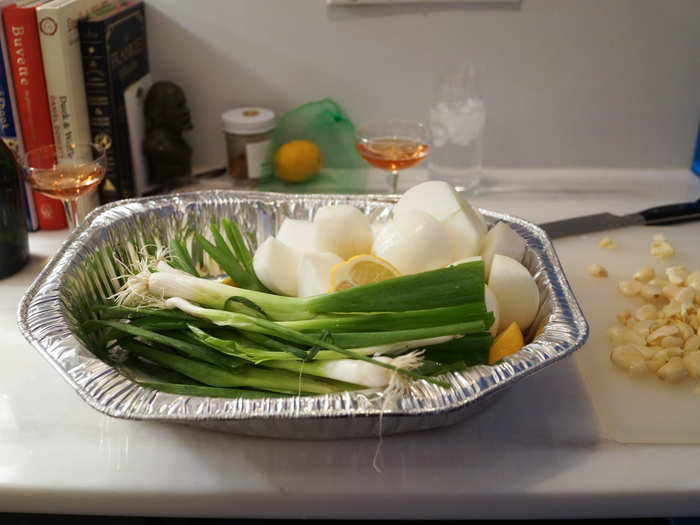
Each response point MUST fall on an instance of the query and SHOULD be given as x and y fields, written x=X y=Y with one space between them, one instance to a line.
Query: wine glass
x=393 y=145
x=66 y=177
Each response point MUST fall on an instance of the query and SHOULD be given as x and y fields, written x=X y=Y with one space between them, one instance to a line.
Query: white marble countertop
x=536 y=452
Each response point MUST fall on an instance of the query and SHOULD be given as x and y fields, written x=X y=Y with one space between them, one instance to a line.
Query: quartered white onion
x=276 y=264
x=492 y=306
x=297 y=234
x=503 y=240
x=343 y=230
x=516 y=291
x=313 y=273
x=465 y=226
x=413 y=242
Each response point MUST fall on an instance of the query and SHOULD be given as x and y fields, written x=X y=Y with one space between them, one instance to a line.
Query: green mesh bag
x=325 y=124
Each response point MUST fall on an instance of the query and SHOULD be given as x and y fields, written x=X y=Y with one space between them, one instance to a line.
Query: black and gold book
x=115 y=55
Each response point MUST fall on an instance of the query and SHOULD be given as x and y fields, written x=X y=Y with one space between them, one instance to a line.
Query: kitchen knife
x=660 y=215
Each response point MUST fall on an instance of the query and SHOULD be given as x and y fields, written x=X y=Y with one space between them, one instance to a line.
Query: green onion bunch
x=191 y=334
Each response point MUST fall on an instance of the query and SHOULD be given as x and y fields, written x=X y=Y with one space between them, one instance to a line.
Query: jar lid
x=248 y=120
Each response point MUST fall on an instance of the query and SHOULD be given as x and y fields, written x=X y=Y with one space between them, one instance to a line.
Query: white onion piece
x=356 y=371
x=343 y=230
x=465 y=226
x=297 y=234
x=313 y=273
x=492 y=306
x=413 y=242
x=436 y=198
x=276 y=264
x=503 y=240
x=516 y=291
x=376 y=228
x=473 y=258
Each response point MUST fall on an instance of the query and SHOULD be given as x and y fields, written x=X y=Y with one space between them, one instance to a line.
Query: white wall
x=587 y=83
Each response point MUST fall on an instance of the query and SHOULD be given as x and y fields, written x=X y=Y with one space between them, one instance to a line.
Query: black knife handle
x=672 y=213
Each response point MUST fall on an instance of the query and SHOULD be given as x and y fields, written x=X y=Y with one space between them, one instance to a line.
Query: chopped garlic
x=650 y=292
x=670 y=290
x=693 y=280
x=606 y=242
x=685 y=296
x=676 y=274
x=692 y=344
x=629 y=288
x=664 y=331
x=661 y=249
x=596 y=270
x=685 y=331
x=623 y=317
x=647 y=311
x=658 y=282
x=691 y=360
x=644 y=274
x=673 y=371
x=629 y=358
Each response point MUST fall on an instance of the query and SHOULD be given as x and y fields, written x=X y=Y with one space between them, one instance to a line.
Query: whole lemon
x=297 y=160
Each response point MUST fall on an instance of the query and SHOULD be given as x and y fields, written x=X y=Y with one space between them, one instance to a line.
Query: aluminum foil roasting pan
x=49 y=315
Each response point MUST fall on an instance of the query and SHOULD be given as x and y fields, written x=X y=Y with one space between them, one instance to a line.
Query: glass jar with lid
x=248 y=132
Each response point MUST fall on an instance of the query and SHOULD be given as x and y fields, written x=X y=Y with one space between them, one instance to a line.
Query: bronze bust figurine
x=168 y=155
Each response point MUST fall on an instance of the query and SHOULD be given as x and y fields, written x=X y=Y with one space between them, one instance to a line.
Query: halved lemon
x=506 y=343
x=359 y=270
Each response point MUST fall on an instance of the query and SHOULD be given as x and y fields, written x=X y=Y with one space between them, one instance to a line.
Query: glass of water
x=457 y=120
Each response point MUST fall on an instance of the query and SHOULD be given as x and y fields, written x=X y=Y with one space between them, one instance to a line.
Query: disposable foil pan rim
x=44 y=319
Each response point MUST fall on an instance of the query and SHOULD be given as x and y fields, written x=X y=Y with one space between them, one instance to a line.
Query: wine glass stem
x=71 y=208
x=394 y=181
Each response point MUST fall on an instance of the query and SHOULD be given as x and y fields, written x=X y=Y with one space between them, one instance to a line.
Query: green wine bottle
x=14 y=240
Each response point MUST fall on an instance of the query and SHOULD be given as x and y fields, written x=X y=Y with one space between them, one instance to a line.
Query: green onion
x=109 y=311
x=195 y=351
x=390 y=349
x=388 y=321
x=209 y=391
x=360 y=339
x=432 y=368
x=237 y=264
x=164 y=325
x=224 y=258
x=180 y=258
x=215 y=295
x=263 y=326
x=241 y=347
x=280 y=381
x=244 y=306
x=451 y=286
x=275 y=344
x=224 y=338
x=470 y=349
x=349 y=370
x=241 y=251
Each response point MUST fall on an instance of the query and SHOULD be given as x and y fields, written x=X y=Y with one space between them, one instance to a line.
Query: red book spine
x=32 y=100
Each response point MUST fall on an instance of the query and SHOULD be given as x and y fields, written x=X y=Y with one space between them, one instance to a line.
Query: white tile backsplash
x=566 y=83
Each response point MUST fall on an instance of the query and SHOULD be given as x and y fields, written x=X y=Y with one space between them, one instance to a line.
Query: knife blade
x=658 y=215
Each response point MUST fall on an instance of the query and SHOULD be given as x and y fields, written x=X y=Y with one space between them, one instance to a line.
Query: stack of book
x=76 y=71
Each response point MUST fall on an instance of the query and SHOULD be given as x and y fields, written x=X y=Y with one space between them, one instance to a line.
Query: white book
x=57 y=22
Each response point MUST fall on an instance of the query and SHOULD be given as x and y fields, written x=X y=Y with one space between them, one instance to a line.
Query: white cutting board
x=630 y=409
